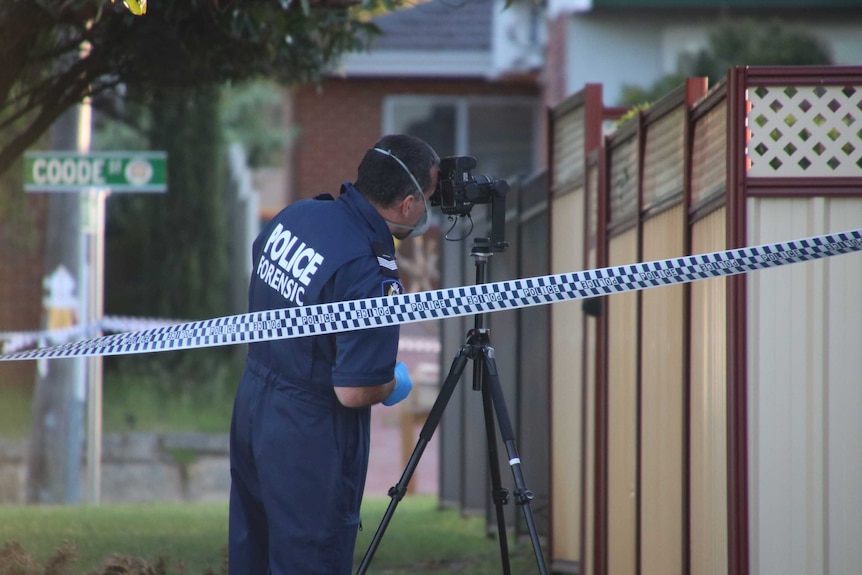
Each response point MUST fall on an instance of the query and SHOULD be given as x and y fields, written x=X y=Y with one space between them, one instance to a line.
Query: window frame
x=462 y=106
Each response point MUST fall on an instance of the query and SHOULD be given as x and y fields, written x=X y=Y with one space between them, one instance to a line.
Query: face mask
x=424 y=222
x=419 y=228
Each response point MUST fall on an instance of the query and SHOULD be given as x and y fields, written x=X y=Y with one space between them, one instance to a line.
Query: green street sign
x=68 y=171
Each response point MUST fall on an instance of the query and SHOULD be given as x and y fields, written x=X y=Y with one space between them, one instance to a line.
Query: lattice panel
x=810 y=131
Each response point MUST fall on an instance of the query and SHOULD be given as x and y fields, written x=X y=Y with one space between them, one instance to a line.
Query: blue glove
x=403 y=385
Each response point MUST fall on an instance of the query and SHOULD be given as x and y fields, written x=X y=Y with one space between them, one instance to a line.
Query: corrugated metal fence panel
x=504 y=326
x=708 y=407
x=566 y=220
x=464 y=482
x=805 y=325
x=663 y=158
x=622 y=413
x=566 y=367
x=521 y=352
x=843 y=431
x=799 y=503
x=661 y=419
x=533 y=350
x=452 y=424
x=476 y=478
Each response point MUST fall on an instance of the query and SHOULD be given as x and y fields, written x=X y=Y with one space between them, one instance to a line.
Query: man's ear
x=405 y=204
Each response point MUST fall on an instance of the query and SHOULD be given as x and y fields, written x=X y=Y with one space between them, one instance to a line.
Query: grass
x=147 y=397
x=15 y=413
x=422 y=539
x=193 y=534
x=132 y=403
x=190 y=539
x=175 y=392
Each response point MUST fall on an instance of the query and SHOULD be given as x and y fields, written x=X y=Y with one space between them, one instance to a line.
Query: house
x=464 y=76
x=635 y=42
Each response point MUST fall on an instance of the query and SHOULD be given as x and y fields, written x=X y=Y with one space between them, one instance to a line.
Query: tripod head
x=458 y=191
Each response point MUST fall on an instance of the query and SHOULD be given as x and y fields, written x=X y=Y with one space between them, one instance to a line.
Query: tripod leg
x=523 y=496
x=397 y=492
x=499 y=495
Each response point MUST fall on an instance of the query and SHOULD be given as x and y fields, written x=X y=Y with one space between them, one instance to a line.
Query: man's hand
x=403 y=385
x=388 y=394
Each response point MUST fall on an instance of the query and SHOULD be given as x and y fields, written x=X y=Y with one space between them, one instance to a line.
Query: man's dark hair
x=383 y=181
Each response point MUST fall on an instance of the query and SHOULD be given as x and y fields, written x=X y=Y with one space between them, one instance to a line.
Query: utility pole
x=88 y=177
x=56 y=443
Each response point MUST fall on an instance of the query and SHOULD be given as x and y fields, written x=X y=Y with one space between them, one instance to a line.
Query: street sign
x=67 y=171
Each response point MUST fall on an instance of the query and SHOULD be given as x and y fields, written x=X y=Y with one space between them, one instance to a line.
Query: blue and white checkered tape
x=451 y=302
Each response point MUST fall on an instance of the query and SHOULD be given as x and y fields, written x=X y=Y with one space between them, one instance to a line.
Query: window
x=500 y=132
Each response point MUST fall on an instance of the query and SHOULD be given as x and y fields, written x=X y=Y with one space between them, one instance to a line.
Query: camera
x=458 y=191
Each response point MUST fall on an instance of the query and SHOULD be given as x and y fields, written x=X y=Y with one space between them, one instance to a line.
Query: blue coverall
x=298 y=457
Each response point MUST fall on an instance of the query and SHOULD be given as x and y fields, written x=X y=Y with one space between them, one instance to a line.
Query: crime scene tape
x=12 y=341
x=119 y=323
x=451 y=302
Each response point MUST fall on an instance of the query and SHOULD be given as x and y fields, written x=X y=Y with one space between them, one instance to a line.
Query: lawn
x=189 y=539
x=15 y=412
x=146 y=397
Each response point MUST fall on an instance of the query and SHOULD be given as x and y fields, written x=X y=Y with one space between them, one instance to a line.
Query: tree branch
x=20 y=24
x=178 y=43
x=66 y=91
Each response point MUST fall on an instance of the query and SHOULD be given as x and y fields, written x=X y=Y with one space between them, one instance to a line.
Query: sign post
x=69 y=171
x=95 y=175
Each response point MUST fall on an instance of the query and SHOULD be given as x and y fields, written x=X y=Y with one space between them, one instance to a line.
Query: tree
x=737 y=43
x=252 y=115
x=180 y=267
x=637 y=96
x=179 y=239
x=168 y=65
x=54 y=53
x=756 y=43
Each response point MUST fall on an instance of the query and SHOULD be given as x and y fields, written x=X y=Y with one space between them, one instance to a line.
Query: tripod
x=486 y=379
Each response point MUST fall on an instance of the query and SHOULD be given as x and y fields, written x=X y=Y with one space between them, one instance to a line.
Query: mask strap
x=403 y=165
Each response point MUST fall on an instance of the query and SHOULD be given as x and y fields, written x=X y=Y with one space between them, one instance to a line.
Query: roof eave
x=416 y=63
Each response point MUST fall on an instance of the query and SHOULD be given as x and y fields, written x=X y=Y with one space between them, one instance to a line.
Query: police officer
x=300 y=431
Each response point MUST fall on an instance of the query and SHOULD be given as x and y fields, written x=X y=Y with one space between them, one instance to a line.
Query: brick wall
x=21 y=271
x=339 y=120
